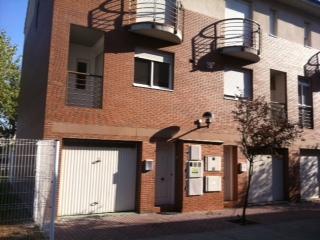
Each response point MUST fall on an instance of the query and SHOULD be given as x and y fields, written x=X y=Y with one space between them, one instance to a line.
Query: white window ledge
x=152 y=87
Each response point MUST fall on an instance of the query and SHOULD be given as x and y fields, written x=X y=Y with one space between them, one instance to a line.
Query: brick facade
x=131 y=113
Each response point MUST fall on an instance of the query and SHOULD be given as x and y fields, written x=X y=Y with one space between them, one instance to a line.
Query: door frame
x=169 y=206
x=234 y=161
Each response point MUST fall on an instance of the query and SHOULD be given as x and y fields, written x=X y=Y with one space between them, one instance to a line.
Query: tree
x=260 y=128
x=9 y=86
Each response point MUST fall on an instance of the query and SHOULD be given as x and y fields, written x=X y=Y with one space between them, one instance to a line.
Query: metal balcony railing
x=166 y=12
x=306 y=116
x=278 y=111
x=84 y=90
x=313 y=65
x=238 y=32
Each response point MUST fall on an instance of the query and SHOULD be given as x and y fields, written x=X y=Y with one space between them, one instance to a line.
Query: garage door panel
x=125 y=190
x=97 y=180
x=261 y=184
x=267 y=179
x=309 y=175
x=76 y=195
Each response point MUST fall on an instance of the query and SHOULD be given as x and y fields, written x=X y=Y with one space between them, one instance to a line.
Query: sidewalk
x=287 y=221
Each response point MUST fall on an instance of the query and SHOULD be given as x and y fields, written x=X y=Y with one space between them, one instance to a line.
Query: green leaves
x=9 y=86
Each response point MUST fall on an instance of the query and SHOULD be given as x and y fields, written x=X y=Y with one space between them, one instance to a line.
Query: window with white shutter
x=238 y=84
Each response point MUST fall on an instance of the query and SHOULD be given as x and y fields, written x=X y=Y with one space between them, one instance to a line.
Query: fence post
x=37 y=183
x=54 y=190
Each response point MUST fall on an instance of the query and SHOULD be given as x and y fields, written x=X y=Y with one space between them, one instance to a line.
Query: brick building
x=122 y=83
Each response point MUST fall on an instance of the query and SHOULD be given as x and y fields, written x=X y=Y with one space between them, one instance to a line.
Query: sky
x=12 y=17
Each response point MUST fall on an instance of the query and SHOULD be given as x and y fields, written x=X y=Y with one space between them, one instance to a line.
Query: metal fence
x=167 y=12
x=238 y=32
x=28 y=171
x=312 y=67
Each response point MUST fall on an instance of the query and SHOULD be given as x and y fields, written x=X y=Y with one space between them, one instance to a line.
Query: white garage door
x=267 y=180
x=309 y=175
x=97 y=180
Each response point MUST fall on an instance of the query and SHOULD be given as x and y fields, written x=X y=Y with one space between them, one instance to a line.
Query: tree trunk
x=245 y=204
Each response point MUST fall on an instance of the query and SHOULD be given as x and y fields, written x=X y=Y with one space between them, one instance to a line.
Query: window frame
x=155 y=56
x=234 y=97
x=273 y=22
x=307 y=42
x=301 y=85
x=87 y=62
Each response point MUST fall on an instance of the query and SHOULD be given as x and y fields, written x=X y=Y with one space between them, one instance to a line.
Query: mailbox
x=213 y=184
x=213 y=163
x=195 y=169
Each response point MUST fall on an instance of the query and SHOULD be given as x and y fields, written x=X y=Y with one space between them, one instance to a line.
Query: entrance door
x=228 y=173
x=235 y=29
x=310 y=177
x=165 y=174
x=277 y=178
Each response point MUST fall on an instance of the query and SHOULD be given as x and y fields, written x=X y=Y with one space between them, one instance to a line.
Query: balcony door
x=305 y=102
x=236 y=30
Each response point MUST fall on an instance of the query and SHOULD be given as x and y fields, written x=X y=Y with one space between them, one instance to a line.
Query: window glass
x=142 y=70
x=304 y=91
x=161 y=76
x=273 y=22
x=307 y=34
x=82 y=67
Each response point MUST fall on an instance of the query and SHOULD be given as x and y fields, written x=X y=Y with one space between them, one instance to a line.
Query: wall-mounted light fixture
x=207 y=118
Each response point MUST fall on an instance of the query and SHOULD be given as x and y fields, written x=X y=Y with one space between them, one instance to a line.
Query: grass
x=19 y=232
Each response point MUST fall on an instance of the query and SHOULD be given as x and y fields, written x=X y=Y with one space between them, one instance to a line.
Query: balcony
x=161 y=19
x=306 y=116
x=278 y=111
x=312 y=67
x=239 y=38
x=84 y=90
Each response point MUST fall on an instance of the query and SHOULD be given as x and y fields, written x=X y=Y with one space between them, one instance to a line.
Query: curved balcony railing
x=167 y=13
x=313 y=65
x=238 y=32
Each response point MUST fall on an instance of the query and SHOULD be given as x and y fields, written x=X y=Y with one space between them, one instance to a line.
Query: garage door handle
x=93 y=204
x=94 y=162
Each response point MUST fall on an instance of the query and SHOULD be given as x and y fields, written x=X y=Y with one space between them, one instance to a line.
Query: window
x=273 y=22
x=82 y=70
x=305 y=103
x=153 y=69
x=307 y=34
x=238 y=84
x=304 y=91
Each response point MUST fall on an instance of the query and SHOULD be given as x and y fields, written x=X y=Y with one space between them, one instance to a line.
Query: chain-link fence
x=28 y=172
